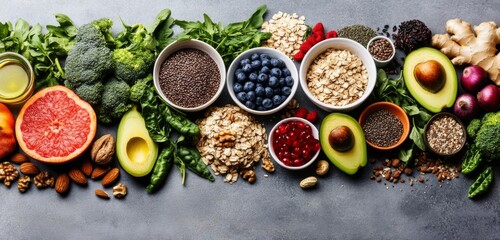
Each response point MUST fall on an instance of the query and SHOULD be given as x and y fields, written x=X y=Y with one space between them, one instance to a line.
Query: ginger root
x=467 y=47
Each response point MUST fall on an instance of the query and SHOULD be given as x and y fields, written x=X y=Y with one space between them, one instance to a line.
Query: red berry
x=318 y=28
x=312 y=116
x=311 y=40
x=319 y=37
x=298 y=56
x=331 y=34
x=305 y=46
x=301 y=113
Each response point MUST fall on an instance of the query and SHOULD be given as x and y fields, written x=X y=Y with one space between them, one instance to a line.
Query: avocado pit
x=341 y=138
x=430 y=75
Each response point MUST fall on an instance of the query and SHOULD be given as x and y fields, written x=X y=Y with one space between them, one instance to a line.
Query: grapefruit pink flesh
x=55 y=125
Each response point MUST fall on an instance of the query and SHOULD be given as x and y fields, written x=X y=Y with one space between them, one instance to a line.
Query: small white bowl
x=315 y=134
x=382 y=63
x=189 y=44
x=272 y=53
x=341 y=44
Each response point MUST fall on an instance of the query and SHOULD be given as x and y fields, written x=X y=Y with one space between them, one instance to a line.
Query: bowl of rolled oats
x=338 y=74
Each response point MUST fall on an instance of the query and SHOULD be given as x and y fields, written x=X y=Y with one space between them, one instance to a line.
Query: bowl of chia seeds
x=338 y=74
x=189 y=75
x=445 y=135
x=262 y=80
x=385 y=125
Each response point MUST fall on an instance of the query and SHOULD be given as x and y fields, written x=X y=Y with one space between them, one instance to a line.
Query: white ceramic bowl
x=382 y=63
x=272 y=53
x=315 y=134
x=189 y=44
x=341 y=44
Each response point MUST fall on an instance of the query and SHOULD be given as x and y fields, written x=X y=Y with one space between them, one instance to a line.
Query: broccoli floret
x=114 y=101
x=90 y=92
x=90 y=59
x=137 y=90
x=473 y=127
x=487 y=139
x=131 y=65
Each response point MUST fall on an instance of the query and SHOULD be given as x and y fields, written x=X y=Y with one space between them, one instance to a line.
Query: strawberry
x=298 y=56
x=331 y=34
x=312 y=116
x=318 y=28
x=301 y=113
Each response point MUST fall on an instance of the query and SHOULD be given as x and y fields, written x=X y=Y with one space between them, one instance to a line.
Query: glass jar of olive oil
x=17 y=79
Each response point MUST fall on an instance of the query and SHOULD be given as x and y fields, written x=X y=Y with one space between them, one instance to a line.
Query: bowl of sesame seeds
x=189 y=75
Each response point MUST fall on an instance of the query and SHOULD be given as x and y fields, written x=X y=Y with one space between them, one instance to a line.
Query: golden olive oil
x=13 y=80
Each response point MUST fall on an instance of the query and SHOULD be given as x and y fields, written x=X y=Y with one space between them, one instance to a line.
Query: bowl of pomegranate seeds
x=293 y=143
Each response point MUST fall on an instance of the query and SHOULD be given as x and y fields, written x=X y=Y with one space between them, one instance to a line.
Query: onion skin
x=489 y=98
x=474 y=78
x=466 y=107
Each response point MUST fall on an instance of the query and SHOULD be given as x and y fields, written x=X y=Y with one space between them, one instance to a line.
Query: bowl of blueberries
x=262 y=80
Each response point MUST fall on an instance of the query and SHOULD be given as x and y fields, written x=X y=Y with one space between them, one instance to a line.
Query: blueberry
x=261 y=108
x=253 y=77
x=249 y=86
x=286 y=72
x=256 y=64
x=238 y=71
x=265 y=70
x=275 y=62
x=273 y=82
x=283 y=98
x=289 y=81
x=250 y=104
x=247 y=68
x=282 y=82
x=260 y=91
x=286 y=90
x=237 y=87
x=262 y=78
x=267 y=103
x=259 y=85
x=281 y=63
x=251 y=96
x=255 y=56
x=269 y=92
x=241 y=77
x=258 y=101
x=276 y=72
x=244 y=62
x=264 y=56
x=266 y=63
x=241 y=96
x=276 y=91
x=277 y=100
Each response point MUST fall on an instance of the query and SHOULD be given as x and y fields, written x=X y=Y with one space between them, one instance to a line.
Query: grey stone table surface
x=341 y=207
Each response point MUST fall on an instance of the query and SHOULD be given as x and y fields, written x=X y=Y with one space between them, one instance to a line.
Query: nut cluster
x=337 y=77
x=44 y=180
x=288 y=31
x=8 y=173
x=249 y=141
x=225 y=139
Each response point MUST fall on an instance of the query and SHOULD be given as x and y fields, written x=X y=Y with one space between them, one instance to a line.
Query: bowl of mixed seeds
x=189 y=75
x=338 y=74
x=445 y=135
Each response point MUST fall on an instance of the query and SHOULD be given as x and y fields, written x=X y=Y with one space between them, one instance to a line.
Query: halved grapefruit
x=55 y=126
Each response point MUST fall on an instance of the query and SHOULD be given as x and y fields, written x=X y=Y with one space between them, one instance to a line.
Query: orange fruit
x=55 y=126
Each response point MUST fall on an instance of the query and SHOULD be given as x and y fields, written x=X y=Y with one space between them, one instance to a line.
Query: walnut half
x=120 y=190
x=8 y=173
x=103 y=150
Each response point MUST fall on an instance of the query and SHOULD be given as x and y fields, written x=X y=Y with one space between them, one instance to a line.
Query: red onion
x=489 y=98
x=466 y=107
x=474 y=78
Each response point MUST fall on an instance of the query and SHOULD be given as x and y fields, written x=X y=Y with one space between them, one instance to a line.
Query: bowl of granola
x=338 y=74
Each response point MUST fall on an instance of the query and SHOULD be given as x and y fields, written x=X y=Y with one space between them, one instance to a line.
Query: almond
x=28 y=168
x=18 y=158
x=99 y=172
x=77 y=176
x=111 y=177
x=62 y=183
x=86 y=167
x=101 y=193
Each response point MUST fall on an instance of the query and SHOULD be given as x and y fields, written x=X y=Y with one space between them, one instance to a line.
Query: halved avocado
x=135 y=149
x=432 y=101
x=348 y=161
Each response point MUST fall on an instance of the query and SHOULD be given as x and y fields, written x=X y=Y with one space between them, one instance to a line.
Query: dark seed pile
x=189 y=78
x=411 y=35
x=382 y=128
x=359 y=33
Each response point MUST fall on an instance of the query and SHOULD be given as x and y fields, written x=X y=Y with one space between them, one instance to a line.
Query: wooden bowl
x=394 y=109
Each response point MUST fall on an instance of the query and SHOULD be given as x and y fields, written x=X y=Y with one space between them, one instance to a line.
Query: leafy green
x=230 y=41
x=394 y=90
